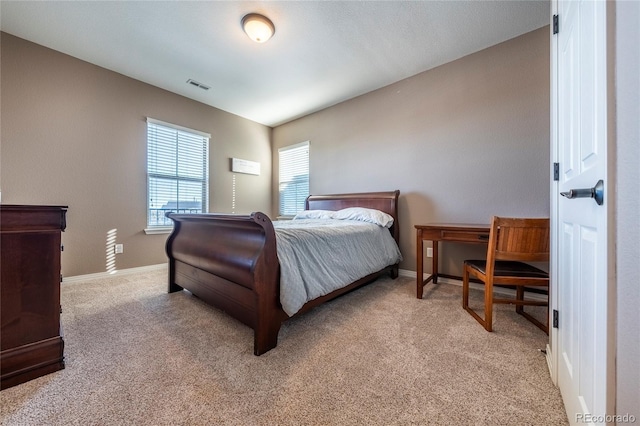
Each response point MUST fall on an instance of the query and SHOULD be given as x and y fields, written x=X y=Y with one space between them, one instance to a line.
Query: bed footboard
x=230 y=262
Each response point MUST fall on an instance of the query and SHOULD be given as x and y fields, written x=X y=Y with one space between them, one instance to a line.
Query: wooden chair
x=512 y=243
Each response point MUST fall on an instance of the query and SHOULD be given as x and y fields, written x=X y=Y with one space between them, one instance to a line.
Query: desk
x=436 y=232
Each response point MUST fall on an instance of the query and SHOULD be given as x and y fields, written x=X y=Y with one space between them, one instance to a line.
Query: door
x=580 y=262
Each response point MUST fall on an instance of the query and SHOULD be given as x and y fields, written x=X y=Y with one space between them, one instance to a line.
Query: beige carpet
x=136 y=355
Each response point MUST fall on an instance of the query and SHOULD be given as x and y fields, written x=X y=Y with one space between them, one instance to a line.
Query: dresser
x=31 y=337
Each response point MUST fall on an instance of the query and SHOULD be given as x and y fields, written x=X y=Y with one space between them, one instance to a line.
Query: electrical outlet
x=118 y=248
x=429 y=252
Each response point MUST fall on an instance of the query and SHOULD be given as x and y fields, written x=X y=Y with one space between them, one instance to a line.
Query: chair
x=512 y=243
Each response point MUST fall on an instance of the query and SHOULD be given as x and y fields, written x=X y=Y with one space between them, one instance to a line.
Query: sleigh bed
x=231 y=261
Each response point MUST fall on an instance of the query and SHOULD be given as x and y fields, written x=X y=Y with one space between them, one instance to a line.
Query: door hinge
x=556 y=171
x=555 y=24
x=555 y=318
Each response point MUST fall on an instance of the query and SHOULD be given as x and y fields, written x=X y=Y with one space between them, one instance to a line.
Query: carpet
x=136 y=355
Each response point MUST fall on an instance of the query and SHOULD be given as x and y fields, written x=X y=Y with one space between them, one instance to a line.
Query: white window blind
x=294 y=178
x=177 y=171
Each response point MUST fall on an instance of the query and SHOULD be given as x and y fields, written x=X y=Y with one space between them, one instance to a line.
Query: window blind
x=293 y=178
x=177 y=171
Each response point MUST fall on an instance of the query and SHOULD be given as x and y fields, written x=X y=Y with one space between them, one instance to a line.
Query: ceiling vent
x=196 y=84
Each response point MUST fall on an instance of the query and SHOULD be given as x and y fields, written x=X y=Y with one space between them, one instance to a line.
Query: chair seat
x=507 y=268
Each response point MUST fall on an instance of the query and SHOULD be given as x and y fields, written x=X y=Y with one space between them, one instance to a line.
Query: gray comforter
x=318 y=256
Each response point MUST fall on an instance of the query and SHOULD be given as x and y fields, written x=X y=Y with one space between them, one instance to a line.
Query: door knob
x=597 y=193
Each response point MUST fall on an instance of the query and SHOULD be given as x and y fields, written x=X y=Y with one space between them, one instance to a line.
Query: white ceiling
x=322 y=53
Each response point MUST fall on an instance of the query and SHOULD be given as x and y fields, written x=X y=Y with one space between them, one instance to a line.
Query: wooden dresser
x=31 y=337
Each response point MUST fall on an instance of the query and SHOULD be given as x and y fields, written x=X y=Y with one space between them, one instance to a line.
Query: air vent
x=200 y=85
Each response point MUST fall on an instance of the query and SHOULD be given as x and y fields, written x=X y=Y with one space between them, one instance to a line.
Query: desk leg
x=419 y=265
x=434 y=262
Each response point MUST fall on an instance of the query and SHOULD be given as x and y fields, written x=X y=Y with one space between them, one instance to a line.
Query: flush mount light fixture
x=259 y=28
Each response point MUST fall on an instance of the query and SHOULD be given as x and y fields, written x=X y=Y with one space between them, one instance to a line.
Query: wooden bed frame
x=230 y=261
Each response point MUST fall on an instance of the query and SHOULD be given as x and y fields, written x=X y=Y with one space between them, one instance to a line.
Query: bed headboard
x=384 y=201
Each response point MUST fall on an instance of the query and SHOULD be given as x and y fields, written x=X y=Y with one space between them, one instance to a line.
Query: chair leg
x=542 y=326
x=520 y=310
x=519 y=297
x=488 y=305
x=465 y=288
x=465 y=299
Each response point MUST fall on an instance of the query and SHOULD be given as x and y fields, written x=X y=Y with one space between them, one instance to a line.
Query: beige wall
x=627 y=175
x=462 y=142
x=75 y=134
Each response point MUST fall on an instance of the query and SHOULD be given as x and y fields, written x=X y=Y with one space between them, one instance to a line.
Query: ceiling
x=322 y=53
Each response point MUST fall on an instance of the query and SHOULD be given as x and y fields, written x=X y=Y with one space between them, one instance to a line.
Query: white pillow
x=315 y=214
x=365 y=215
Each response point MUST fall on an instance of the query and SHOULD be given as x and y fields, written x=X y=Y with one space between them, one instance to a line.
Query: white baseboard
x=441 y=280
x=549 y=361
x=476 y=286
x=401 y=272
x=118 y=272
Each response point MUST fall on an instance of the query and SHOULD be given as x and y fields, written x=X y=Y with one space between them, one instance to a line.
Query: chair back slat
x=521 y=239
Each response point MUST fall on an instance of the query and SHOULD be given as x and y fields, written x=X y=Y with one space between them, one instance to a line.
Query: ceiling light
x=259 y=28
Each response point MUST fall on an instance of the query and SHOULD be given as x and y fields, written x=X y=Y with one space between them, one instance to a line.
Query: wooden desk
x=436 y=232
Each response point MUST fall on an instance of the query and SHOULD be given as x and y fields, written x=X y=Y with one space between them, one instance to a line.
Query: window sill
x=158 y=230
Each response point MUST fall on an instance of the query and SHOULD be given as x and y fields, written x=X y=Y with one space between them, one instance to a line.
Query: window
x=294 y=178
x=177 y=172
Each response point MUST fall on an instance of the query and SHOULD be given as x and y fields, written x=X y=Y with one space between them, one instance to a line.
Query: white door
x=581 y=264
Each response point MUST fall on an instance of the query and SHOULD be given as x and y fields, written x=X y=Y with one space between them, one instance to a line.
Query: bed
x=231 y=261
